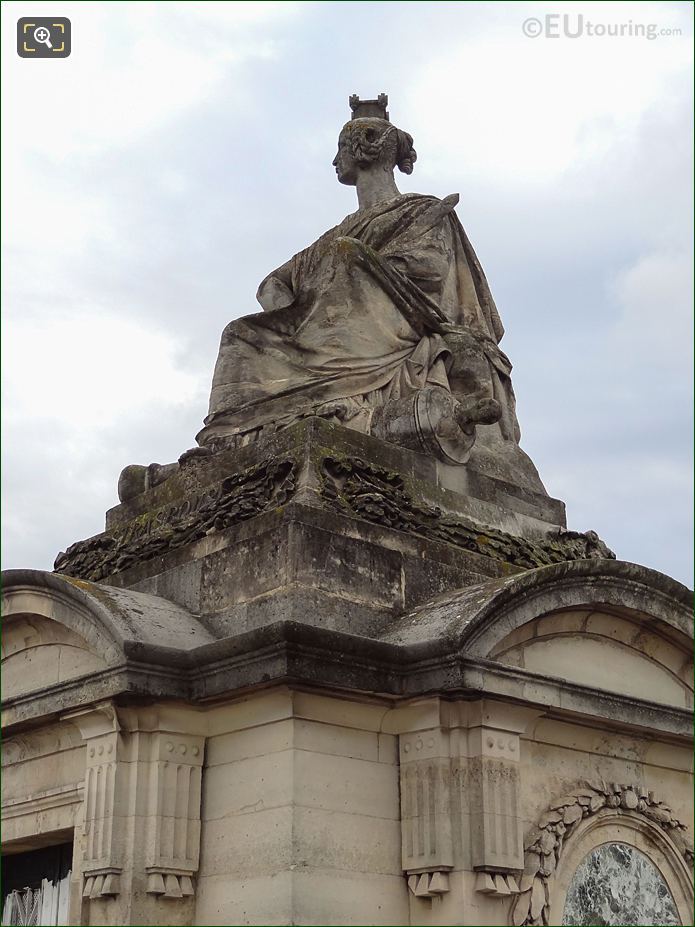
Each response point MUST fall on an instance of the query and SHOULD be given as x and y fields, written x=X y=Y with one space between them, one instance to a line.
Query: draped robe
x=357 y=318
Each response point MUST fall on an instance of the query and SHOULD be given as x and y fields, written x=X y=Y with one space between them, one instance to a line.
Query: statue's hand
x=468 y=368
x=460 y=340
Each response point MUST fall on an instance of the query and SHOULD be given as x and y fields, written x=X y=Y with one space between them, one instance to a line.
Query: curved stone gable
x=111 y=620
x=478 y=617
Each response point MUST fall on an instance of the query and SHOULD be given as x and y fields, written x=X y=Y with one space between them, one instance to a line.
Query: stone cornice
x=292 y=653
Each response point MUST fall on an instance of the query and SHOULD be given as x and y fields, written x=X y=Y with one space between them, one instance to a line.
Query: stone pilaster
x=460 y=787
x=493 y=765
x=173 y=828
x=426 y=811
x=105 y=801
x=141 y=831
x=494 y=752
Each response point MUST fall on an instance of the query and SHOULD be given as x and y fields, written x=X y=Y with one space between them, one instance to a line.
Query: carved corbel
x=105 y=798
x=429 y=884
x=493 y=771
x=143 y=763
x=494 y=751
x=168 y=749
x=426 y=823
x=496 y=883
x=173 y=841
x=459 y=767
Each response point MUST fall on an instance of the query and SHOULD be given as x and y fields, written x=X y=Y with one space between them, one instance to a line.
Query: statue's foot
x=131 y=482
x=136 y=479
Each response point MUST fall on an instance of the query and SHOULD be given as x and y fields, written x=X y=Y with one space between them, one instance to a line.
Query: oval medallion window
x=615 y=884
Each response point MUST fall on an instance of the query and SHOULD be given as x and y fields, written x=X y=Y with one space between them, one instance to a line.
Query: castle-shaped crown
x=362 y=108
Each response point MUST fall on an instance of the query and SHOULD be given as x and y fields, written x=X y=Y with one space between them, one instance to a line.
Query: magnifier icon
x=43 y=36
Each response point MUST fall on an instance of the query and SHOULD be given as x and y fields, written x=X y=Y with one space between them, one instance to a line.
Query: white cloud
x=91 y=368
x=655 y=298
x=131 y=69
x=525 y=110
x=84 y=395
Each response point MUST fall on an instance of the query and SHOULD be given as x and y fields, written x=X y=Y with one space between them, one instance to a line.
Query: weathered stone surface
x=301 y=527
x=444 y=658
x=235 y=499
x=385 y=324
x=328 y=469
x=523 y=597
x=296 y=775
x=379 y=495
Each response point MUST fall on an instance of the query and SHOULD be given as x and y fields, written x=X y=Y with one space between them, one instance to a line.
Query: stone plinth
x=323 y=525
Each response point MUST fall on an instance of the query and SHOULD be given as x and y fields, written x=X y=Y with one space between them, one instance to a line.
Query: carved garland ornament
x=378 y=495
x=235 y=499
x=543 y=846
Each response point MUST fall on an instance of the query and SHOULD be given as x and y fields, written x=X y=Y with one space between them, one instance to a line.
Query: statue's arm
x=425 y=260
x=423 y=250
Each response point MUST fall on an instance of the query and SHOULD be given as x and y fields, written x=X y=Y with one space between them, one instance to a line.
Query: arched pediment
x=31 y=745
x=603 y=649
x=605 y=624
x=56 y=628
x=39 y=652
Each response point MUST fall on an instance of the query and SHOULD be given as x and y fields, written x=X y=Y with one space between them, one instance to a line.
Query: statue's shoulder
x=428 y=199
x=421 y=212
x=422 y=203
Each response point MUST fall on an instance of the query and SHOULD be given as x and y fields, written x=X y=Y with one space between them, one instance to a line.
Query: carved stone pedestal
x=308 y=681
x=321 y=524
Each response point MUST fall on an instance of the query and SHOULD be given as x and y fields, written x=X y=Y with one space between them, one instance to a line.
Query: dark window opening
x=35 y=886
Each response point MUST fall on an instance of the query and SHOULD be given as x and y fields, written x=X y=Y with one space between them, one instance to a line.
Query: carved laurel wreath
x=235 y=499
x=543 y=846
x=380 y=496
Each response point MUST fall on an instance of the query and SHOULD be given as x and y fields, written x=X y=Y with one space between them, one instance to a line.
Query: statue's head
x=368 y=144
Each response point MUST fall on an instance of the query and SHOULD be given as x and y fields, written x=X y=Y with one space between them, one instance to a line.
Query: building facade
x=322 y=699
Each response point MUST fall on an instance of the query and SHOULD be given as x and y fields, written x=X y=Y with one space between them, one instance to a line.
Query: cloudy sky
x=183 y=150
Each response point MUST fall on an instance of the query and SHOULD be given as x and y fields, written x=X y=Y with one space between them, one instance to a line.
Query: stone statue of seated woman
x=386 y=325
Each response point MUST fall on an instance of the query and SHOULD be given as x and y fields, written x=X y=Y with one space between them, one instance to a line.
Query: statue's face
x=344 y=163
